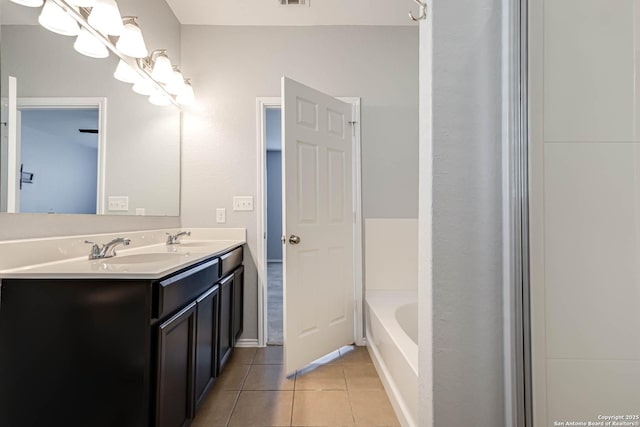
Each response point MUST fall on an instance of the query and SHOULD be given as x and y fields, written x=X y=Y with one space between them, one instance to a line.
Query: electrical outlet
x=221 y=215
x=243 y=203
x=140 y=211
x=118 y=203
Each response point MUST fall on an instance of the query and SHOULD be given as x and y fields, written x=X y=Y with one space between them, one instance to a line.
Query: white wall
x=460 y=217
x=231 y=66
x=161 y=29
x=585 y=209
x=391 y=253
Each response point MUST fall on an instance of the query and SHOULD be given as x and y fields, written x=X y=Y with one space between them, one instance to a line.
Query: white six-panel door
x=317 y=210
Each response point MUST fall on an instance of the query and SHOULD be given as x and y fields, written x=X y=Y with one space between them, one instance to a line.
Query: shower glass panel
x=584 y=63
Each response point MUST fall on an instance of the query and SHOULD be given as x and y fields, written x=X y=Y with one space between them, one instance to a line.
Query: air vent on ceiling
x=294 y=2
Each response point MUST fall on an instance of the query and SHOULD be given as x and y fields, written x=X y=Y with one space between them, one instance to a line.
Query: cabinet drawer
x=230 y=261
x=176 y=291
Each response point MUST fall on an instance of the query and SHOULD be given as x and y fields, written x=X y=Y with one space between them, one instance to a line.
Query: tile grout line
x=235 y=404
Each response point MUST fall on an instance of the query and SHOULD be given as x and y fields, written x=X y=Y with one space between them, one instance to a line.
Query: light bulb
x=88 y=45
x=105 y=17
x=143 y=87
x=162 y=69
x=160 y=99
x=29 y=3
x=186 y=96
x=131 y=42
x=82 y=3
x=125 y=73
x=55 y=19
x=174 y=87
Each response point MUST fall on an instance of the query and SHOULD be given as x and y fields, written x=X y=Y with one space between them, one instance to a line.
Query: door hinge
x=353 y=128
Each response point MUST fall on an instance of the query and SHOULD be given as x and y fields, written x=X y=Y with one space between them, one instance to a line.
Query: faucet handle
x=95 y=250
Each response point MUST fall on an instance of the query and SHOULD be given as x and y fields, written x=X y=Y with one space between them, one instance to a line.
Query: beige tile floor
x=341 y=390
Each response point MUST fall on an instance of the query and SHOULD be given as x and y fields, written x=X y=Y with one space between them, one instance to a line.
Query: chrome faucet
x=108 y=250
x=174 y=239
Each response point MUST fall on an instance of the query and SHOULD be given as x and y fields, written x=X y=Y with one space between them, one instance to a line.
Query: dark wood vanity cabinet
x=176 y=364
x=206 y=362
x=226 y=321
x=125 y=352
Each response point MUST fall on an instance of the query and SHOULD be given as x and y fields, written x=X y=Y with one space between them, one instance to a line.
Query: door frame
x=262 y=104
x=29 y=103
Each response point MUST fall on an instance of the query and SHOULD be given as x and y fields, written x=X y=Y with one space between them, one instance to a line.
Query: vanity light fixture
x=105 y=17
x=125 y=73
x=160 y=99
x=88 y=45
x=82 y=3
x=176 y=84
x=186 y=97
x=143 y=87
x=29 y=3
x=100 y=29
x=131 y=42
x=55 y=18
x=162 y=70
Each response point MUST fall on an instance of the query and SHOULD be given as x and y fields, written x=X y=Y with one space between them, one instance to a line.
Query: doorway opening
x=53 y=155
x=270 y=203
x=273 y=202
x=59 y=160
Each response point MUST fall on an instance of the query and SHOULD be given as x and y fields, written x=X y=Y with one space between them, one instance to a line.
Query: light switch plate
x=243 y=203
x=118 y=203
x=221 y=215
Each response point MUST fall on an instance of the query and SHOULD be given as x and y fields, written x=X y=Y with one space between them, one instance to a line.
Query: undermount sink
x=194 y=244
x=143 y=258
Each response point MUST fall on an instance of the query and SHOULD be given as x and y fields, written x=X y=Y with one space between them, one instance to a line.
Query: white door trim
x=262 y=104
x=80 y=102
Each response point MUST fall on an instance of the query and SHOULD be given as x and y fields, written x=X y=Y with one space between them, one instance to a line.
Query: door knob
x=294 y=240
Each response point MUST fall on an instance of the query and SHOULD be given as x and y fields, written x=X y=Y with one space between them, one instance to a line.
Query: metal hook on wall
x=423 y=11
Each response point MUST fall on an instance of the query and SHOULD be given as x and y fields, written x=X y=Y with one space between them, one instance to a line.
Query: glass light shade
x=29 y=3
x=162 y=69
x=131 y=42
x=55 y=19
x=125 y=73
x=82 y=3
x=105 y=17
x=88 y=45
x=186 y=96
x=175 y=85
x=143 y=87
x=159 y=99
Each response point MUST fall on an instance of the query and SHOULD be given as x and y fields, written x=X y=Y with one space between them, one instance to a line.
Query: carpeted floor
x=274 y=303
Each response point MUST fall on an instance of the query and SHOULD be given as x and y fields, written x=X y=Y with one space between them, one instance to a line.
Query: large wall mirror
x=86 y=143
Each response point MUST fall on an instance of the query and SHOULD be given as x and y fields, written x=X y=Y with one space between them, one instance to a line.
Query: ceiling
x=270 y=12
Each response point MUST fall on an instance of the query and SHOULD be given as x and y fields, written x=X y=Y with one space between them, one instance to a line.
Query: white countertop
x=187 y=253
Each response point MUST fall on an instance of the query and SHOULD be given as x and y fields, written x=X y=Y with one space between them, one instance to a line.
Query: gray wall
x=64 y=161
x=231 y=66
x=466 y=213
x=274 y=205
x=161 y=29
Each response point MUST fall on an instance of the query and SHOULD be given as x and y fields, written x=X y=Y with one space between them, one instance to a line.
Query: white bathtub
x=392 y=339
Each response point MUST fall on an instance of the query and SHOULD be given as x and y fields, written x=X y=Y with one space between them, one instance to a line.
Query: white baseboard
x=247 y=342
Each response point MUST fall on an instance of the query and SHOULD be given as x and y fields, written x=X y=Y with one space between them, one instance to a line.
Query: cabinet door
x=176 y=351
x=206 y=339
x=238 y=302
x=226 y=321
